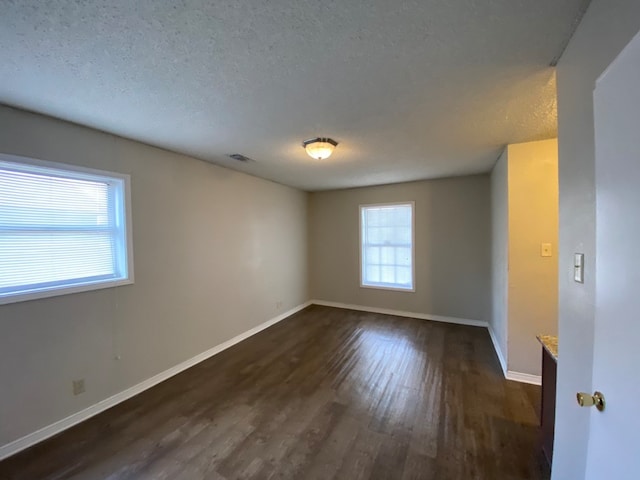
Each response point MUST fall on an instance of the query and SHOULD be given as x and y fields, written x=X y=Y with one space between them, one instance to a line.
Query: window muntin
x=386 y=246
x=63 y=229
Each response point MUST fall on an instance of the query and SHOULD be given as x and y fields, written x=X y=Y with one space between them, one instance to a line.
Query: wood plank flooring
x=326 y=393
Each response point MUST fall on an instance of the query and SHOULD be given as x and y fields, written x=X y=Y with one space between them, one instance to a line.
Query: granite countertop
x=550 y=344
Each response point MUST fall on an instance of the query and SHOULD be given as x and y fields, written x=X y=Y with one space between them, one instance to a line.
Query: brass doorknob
x=586 y=400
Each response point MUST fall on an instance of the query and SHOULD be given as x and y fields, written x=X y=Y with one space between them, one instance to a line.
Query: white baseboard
x=401 y=313
x=523 y=377
x=510 y=374
x=496 y=347
x=61 y=425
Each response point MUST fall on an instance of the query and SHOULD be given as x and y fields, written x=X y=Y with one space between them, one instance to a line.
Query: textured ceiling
x=412 y=89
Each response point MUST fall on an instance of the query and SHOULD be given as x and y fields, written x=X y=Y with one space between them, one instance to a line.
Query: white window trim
x=85 y=286
x=413 y=245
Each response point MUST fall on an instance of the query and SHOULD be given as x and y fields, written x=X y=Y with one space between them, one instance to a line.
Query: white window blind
x=387 y=246
x=60 y=231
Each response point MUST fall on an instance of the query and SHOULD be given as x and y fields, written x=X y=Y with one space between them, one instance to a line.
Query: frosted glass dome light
x=319 y=148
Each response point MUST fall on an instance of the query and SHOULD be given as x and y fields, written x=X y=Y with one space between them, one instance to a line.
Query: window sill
x=55 y=292
x=395 y=289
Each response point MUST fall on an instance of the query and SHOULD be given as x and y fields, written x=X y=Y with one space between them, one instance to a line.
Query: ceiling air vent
x=240 y=158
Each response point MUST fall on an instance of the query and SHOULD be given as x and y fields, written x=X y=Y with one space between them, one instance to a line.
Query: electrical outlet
x=78 y=386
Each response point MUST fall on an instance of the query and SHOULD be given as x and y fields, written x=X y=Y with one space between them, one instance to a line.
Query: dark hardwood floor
x=326 y=393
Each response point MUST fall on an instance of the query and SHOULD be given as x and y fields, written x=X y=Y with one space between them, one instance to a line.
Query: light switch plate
x=578 y=267
x=545 y=249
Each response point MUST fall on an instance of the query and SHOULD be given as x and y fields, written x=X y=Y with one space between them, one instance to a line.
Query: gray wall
x=498 y=322
x=215 y=251
x=604 y=31
x=452 y=235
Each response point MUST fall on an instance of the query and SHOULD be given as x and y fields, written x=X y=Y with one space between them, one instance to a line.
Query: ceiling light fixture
x=319 y=148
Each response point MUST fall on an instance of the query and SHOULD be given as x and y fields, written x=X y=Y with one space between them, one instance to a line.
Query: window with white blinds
x=386 y=253
x=62 y=229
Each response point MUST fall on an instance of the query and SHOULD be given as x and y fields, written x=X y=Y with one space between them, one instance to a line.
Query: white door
x=614 y=440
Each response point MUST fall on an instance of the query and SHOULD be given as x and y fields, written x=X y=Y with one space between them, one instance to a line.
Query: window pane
x=402 y=216
x=386 y=235
x=402 y=236
x=387 y=249
x=374 y=236
x=372 y=255
x=403 y=275
x=387 y=256
x=34 y=259
x=38 y=200
x=403 y=256
x=386 y=216
x=387 y=274
x=373 y=217
x=372 y=273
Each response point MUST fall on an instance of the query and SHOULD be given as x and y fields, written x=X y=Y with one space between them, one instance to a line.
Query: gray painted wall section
x=215 y=250
x=452 y=235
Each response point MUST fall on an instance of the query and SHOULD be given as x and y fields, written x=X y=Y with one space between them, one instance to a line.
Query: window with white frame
x=63 y=229
x=386 y=246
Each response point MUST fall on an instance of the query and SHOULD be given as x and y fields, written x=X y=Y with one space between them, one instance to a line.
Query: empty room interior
x=305 y=239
